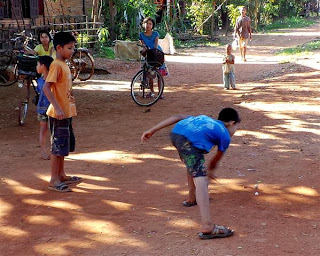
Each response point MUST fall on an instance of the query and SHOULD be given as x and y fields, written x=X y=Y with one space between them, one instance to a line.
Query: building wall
x=70 y=7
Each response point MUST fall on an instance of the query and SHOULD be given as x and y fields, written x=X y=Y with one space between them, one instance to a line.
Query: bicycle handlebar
x=143 y=45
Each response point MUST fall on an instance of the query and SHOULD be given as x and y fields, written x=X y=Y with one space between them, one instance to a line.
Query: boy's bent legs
x=192 y=189
x=202 y=196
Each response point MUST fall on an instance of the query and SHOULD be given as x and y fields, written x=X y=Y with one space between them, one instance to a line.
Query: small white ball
x=256 y=193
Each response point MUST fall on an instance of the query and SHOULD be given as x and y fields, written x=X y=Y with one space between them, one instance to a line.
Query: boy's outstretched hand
x=146 y=135
x=167 y=122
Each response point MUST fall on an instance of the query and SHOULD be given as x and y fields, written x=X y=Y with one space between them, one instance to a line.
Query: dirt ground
x=131 y=200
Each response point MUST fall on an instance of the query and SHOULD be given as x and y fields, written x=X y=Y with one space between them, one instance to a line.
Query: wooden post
x=83 y=7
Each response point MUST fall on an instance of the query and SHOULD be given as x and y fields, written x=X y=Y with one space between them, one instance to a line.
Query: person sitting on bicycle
x=45 y=47
x=150 y=39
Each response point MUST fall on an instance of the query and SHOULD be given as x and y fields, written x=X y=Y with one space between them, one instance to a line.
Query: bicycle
x=8 y=70
x=81 y=64
x=27 y=72
x=148 y=84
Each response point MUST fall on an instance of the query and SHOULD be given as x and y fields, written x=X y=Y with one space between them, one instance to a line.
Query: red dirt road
x=131 y=200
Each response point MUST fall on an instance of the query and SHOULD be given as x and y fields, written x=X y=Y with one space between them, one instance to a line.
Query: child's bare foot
x=45 y=155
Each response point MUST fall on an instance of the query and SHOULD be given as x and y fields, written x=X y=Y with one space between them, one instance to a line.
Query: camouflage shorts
x=191 y=156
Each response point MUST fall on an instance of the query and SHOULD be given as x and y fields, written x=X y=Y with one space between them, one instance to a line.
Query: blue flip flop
x=73 y=180
x=60 y=187
x=217 y=232
x=189 y=204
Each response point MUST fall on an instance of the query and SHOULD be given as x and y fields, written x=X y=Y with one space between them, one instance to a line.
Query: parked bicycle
x=8 y=61
x=27 y=73
x=81 y=64
x=148 y=84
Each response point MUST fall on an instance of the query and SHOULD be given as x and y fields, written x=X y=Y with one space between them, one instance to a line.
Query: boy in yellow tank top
x=58 y=89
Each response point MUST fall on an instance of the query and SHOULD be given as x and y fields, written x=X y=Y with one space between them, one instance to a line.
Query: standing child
x=228 y=69
x=58 y=89
x=43 y=65
x=194 y=136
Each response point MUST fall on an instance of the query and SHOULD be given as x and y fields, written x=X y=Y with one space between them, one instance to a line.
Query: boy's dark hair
x=62 y=38
x=229 y=114
x=45 y=60
x=43 y=31
x=146 y=20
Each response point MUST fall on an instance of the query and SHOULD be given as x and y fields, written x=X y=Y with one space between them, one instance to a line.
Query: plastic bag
x=234 y=44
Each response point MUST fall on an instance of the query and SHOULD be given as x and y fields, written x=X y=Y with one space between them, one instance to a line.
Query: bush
x=293 y=22
x=106 y=52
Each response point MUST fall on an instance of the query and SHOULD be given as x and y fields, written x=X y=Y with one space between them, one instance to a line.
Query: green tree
x=122 y=17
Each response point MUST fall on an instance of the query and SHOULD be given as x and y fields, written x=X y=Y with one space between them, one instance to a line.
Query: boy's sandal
x=73 y=180
x=217 y=232
x=189 y=204
x=60 y=187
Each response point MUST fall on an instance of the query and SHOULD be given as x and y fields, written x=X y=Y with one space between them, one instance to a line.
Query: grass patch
x=199 y=42
x=293 y=22
x=307 y=48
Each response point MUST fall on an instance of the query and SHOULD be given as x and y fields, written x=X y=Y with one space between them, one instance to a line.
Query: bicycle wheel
x=147 y=87
x=73 y=70
x=84 y=63
x=6 y=78
x=23 y=109
x=8 y=72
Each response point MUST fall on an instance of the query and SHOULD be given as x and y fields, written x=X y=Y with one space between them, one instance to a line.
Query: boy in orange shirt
x=58 y=89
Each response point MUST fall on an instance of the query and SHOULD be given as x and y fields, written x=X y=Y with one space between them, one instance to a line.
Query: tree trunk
x=212 y=20
x=112 y=13
x=256 y=13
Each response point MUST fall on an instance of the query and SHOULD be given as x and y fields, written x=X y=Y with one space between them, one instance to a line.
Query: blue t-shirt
x=43 y=103
x=204 y=132
x=149 y=40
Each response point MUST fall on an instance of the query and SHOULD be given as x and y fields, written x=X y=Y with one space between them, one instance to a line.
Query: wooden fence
x=85 y=31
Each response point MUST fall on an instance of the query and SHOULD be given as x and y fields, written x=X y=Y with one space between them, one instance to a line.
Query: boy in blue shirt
x=194 y=136
x=43 y=65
